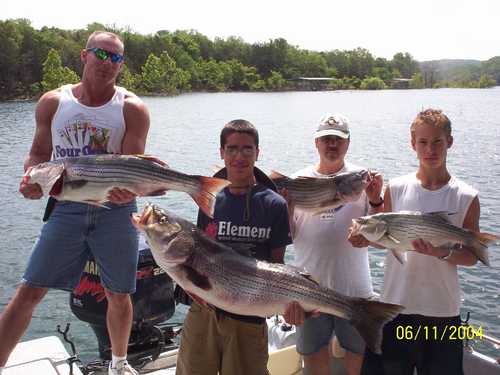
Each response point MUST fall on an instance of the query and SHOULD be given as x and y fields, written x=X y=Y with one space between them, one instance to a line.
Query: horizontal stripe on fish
x=213 y=273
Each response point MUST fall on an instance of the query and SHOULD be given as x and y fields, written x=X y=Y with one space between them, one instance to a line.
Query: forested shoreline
x=166 y=63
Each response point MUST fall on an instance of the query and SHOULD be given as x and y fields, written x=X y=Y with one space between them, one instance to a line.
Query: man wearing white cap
x=322 y=249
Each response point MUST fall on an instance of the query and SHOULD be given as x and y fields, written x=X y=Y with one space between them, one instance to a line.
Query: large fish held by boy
x=318 y=194
x=215 y=274
x=89 y=179
x=396 y=231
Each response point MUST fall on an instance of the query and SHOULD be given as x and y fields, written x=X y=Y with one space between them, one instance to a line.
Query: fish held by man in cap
x=89 y=179
x=215 y=274
x=319 y=194
x=397 y=230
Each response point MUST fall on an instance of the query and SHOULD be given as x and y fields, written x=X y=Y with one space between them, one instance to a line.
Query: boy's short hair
x=434 y=117
x=238 y=126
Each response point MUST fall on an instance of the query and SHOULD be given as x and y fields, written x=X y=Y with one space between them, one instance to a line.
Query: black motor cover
x=153 y=301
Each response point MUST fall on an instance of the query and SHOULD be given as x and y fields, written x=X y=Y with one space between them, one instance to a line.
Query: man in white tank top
x=321 y=248
x=427 y=284
x=91 y=117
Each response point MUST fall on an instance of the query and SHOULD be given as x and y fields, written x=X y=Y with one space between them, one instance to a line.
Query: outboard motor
x=153 y=303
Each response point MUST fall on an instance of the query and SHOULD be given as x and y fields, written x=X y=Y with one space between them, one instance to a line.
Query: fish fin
x=479 y=245
x=308 y=277
x=274 y=175
x=487 y=238
x=205 y=197
x=399 y=256
x=369 y=318
x=154 y=159
x=216 y=168
x=392 y=238
x=156 y=193
x=279 y=179
x=198 y=279
x=200 y=301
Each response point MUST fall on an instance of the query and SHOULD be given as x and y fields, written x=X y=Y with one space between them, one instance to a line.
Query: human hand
x=30 y=191
x=294 y=314
x=120 y=196
x=357 y=240
x=425 y=247
x=374 y=188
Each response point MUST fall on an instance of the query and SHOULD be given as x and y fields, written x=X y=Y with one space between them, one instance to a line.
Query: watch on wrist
x=377 y=204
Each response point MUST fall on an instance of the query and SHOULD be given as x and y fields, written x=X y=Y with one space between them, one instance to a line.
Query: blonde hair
x=433 y=117
x=95 y=34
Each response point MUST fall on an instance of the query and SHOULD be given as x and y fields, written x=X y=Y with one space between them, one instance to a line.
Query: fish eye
x=163 y=220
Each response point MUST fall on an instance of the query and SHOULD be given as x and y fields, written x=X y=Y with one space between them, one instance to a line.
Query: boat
x=153 y=345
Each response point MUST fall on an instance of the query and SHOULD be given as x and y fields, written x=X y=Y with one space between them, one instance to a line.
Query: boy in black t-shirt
x=252 y=218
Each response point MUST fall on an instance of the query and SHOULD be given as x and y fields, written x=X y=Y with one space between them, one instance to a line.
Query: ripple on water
x=185 y=130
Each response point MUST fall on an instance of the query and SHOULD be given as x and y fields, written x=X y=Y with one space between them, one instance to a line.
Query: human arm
x=373 y=193
x=459 y=258
x=136 y=117
x=41 y=147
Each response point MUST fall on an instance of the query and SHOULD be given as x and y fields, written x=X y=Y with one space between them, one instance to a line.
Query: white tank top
x=322 y=249
x=426 y=285
x=79 y=130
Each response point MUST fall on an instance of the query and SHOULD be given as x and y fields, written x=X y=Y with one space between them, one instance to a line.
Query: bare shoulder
x=50 y=98
x=134 y=106
x=47 y=105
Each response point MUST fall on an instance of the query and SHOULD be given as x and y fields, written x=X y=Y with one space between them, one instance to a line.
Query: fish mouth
x=148 y=216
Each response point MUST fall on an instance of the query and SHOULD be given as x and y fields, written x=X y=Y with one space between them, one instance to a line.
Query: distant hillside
x=460 y=70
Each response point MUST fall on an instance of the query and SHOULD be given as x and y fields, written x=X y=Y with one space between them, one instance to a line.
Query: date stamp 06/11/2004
x=438 y=333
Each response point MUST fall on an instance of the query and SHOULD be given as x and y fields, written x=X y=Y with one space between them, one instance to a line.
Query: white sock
x=114 y=360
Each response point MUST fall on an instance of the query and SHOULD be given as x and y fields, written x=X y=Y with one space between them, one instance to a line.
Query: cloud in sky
x=428 y=29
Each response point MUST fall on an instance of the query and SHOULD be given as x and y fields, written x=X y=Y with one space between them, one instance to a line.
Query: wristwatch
x=377 y=204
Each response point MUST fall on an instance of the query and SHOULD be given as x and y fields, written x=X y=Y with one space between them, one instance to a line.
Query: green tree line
x=33 y=61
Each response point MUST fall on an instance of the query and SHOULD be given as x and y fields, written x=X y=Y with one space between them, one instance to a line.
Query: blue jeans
x=316 y=332
x=75 y=230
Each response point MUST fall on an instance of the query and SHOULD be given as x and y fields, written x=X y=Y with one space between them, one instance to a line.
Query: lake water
x=185 y=133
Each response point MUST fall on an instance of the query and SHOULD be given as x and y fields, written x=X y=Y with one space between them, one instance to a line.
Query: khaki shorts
x=212 y=344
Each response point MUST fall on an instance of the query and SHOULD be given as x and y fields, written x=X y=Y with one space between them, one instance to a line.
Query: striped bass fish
x=396 y=230
x=215 y=274
x=89 y=179
x=318 y=194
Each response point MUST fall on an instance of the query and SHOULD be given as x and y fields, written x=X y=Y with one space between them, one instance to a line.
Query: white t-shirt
x=426 y=285
x=79 y=130
x=322 y=249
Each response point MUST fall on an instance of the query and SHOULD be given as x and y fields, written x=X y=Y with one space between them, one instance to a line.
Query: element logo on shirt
x=227 y=231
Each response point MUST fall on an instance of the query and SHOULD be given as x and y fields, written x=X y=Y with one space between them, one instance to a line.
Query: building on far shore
x=312 y=83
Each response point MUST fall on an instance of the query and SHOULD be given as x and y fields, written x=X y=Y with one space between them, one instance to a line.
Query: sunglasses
x=246 y=151
x=103 y=55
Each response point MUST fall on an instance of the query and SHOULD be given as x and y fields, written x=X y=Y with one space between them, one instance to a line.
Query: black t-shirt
x=253 y=223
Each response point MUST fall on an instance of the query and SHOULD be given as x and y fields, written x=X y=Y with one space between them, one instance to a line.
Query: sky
x=427 y=29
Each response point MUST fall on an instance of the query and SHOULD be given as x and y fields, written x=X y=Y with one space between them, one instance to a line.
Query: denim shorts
x=317 y=332
x=72 y=233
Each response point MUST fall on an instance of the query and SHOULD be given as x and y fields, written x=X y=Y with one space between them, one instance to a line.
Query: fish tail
x=278 y=178
x=370 y=317
x=205 y=197
x=479 y=246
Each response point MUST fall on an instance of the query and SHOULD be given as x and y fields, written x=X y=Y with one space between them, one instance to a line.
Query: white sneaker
x=122 y=368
